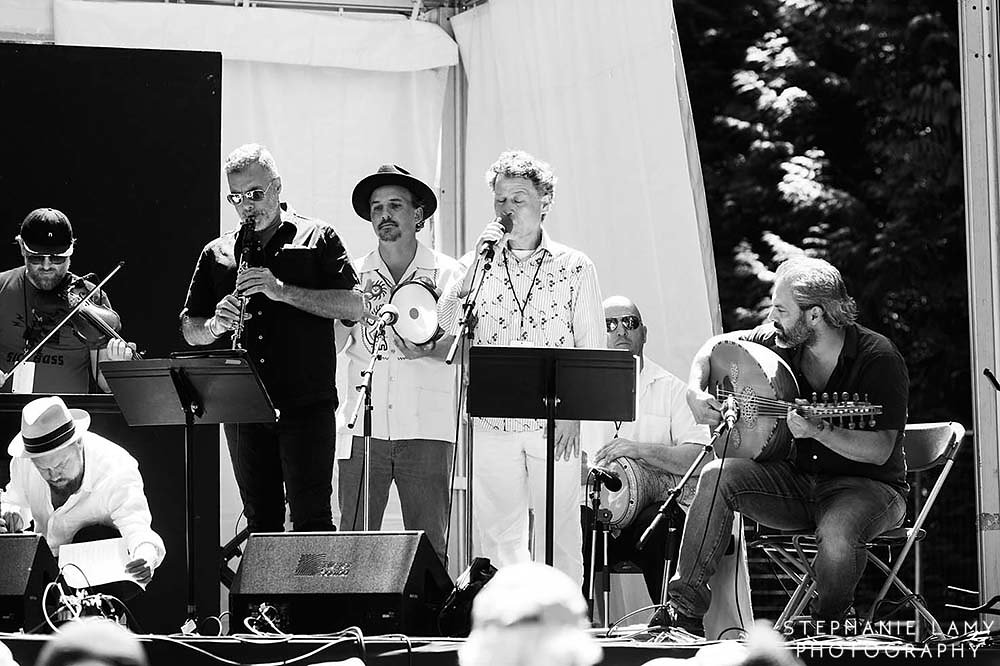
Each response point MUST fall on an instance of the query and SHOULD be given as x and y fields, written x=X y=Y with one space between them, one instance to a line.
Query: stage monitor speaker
x=28 y=566
x=321 y=582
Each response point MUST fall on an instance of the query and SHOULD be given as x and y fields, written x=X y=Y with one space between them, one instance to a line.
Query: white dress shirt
x=549 y=299
x=111 y=494
x=411 y=398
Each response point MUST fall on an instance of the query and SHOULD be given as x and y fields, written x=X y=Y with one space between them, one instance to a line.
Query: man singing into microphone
x=543 y=294
x=413 y=391
x=304 y=282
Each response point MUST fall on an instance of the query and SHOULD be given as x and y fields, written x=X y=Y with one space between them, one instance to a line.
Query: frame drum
x=417 y=303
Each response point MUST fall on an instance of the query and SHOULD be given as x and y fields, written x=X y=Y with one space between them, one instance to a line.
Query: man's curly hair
x=519 y=164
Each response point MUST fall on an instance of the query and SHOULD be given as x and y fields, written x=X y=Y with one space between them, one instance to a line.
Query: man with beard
x=413 y=391
x=849 y=485
x=69 y=480
x=664 y=439
x=297 y=278
x=33 y=299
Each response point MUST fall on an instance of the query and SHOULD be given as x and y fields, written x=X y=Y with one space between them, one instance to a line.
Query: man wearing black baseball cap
x=34 y=298
x=413 y=390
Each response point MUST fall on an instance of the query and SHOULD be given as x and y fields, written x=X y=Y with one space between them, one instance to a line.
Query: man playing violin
x=665 y=439
x=35 y=297
x=297 y=278
x=413 y=391
x=849 y=485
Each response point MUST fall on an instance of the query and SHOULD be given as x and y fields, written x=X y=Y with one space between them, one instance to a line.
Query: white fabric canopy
x=332 y=97
x=596 y=88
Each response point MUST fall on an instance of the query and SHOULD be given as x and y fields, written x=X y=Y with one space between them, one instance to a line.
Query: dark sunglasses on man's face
x=39 y=259
x=256 y=195
x=630 y=322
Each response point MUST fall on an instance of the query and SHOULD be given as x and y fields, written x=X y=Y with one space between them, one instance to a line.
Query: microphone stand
x=660 y=618
x=365 y=400
x=599 y=528
x=467 y=329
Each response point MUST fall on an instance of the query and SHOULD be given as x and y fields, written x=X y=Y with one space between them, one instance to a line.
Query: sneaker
x=670 y=617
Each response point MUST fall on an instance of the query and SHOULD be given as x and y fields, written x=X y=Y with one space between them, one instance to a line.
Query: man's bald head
x=620 y=313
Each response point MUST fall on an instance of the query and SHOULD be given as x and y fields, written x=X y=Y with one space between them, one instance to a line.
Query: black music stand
x=216 y=386
x=552 y=383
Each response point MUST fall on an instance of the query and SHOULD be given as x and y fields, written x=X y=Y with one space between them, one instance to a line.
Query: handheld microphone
x=388 y=315
x=608 y=477
x=489 y=247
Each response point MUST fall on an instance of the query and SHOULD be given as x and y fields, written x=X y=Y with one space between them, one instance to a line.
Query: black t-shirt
x=869 y=364
x=294 y=351
x=63 y=364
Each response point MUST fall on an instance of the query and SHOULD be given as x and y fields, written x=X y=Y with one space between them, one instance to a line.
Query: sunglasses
x=39 y=259
x=256 y=195
x=630 y=322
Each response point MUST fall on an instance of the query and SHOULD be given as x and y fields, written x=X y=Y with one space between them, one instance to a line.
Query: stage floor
x=401 y=651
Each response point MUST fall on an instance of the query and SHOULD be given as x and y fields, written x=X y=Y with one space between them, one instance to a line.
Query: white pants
x=508 y=478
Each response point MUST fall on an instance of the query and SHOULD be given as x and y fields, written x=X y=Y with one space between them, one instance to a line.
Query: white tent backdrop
x=596 y=88
x=332 y=97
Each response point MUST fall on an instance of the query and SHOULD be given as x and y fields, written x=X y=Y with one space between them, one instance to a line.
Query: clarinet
x=249 y=249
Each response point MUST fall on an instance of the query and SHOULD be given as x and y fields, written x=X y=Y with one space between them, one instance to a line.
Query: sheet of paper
x=94 y=562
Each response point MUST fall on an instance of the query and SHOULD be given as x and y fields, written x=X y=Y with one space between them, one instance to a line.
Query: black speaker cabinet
x=320 y=582
x=28 y=566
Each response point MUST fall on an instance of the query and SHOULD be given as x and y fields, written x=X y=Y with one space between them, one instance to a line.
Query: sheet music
x=94 y=562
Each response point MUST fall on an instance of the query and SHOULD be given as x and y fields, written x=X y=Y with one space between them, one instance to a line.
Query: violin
x=91 y=322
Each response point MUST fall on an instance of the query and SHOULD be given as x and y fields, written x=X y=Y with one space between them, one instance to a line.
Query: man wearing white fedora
x=65 y=479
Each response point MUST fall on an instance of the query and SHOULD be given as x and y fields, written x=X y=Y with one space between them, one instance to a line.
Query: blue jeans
x=844 y=511
x=422 y=471
x=293 y=458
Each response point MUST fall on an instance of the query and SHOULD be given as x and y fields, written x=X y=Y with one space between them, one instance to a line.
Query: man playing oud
x=848 y=485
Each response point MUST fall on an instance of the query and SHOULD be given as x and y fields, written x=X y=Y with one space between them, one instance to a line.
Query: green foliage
x=833 y=128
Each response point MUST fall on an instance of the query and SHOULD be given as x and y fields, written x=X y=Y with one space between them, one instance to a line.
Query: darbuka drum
x=417 y=303
x=641 y=486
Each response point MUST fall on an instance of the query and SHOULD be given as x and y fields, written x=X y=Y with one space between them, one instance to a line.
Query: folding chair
x=927 y=445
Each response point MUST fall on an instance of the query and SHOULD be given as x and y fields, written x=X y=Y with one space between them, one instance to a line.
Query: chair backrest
x=928 y=445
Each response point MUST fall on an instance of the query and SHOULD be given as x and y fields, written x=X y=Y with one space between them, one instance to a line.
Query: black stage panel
x=127 y=143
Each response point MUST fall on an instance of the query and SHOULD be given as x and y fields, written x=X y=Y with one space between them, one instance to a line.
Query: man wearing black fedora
x=413 y=390
x=34 y=298
x=296 y=278
x=67 y=479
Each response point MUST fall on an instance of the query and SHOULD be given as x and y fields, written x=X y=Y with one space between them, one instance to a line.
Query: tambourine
x=417 y=303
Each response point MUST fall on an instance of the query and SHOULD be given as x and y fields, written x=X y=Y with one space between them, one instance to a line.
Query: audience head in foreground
x=93 y=642
x=529 y=614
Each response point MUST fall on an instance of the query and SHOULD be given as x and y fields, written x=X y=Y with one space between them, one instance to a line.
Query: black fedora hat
x=391 y=174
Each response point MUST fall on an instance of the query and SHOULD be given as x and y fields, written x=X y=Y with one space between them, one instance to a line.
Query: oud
x=764 y=389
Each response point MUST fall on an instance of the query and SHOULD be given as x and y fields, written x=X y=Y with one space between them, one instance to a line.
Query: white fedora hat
x=47 y=425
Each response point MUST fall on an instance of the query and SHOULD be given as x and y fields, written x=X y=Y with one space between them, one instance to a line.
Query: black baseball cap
x=47 y=231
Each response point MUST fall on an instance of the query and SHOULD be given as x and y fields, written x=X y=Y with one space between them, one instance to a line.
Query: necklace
x=531 y=287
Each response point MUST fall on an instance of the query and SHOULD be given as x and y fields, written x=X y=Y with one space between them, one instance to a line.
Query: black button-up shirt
x=293 y=350
x=869 y=364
